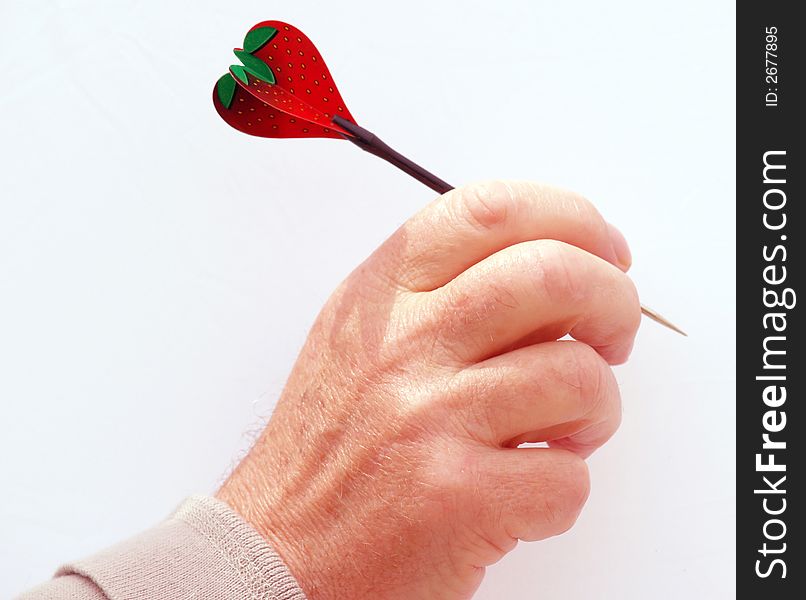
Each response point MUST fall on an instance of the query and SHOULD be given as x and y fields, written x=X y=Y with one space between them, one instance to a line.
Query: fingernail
x=620 y=248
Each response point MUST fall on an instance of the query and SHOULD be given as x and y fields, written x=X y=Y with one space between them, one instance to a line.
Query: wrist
x=261 y=496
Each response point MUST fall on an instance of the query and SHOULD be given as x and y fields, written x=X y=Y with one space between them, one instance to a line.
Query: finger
x=560 y=392
x=541 y=290
x=470 y=223
x=528 y=493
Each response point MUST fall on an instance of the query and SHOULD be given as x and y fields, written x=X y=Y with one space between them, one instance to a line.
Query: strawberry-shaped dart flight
x=283 y=89
x=292 y=92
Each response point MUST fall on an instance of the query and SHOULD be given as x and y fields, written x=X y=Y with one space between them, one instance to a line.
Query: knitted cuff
x=203 y=551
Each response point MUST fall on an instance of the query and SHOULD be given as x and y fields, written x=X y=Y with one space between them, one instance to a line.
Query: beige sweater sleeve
x=204 y=551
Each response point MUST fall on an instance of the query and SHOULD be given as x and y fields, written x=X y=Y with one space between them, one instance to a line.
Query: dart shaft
x=369 y=142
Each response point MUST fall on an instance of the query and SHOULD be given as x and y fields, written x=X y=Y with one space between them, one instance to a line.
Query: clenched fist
x=390 y=468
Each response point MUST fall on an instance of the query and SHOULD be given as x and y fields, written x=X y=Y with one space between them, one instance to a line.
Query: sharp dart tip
x=658 y=318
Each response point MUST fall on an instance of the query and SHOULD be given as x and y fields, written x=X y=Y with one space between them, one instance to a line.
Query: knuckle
x=555 y=272
x=464 y=310
x=588 y=373
x=460 y=475
x=427 y=332
x=598 y=394
x=579 y=485
x=589 y=219
x=446 y=327
x=558 y=500
x=564 y=505
x=484 y=205
x=617 y=415
x=468 y=399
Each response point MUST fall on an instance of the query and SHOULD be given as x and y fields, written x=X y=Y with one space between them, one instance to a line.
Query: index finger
x=470 y=223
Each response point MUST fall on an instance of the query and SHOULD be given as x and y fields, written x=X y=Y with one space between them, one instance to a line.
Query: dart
x=283 y=89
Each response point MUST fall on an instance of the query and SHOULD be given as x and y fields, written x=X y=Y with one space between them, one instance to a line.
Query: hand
x=390 y=467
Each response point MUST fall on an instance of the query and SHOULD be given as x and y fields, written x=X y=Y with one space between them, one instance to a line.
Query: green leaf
x=239 y=72
x=257 y=38
x=225 y=88
x=255 y=66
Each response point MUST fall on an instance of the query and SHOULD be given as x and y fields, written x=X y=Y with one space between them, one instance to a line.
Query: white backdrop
x=159 y=271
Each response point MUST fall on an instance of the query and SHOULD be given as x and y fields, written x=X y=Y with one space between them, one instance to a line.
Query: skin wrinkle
x=590 y=399
x=481 y=210
x=467 y=312
x=385 y=470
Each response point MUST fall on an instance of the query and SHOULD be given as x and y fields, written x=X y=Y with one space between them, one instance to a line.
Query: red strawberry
x=284 y=88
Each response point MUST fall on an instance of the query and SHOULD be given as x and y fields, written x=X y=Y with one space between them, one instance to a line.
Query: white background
x=159 y=271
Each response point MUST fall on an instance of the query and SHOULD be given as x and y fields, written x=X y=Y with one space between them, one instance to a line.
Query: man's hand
x=390 y=468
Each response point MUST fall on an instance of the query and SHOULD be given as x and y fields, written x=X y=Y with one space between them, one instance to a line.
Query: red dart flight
x=283 y=89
